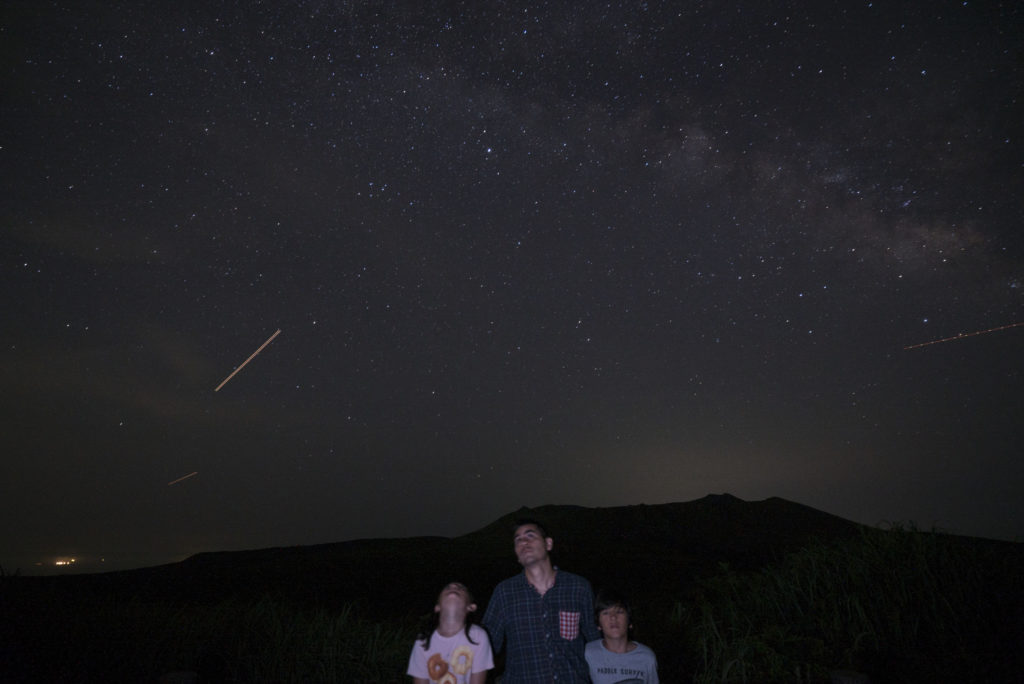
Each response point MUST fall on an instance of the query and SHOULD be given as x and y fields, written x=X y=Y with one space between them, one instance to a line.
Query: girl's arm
x=478 y=677
x=421 y=680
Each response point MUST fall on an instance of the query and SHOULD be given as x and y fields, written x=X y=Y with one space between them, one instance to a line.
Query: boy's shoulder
x=596 y=647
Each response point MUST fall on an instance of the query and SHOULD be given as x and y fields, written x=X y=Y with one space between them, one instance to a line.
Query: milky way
x=518 y=254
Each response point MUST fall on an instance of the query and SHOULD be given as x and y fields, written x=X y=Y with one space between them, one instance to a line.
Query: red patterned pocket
x=568 y=624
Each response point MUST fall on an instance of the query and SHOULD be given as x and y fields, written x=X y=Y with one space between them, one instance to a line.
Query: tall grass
x=64 y=637
x=899 y=604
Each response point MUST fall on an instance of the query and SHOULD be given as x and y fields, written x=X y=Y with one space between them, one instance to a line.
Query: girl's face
x=456 y=596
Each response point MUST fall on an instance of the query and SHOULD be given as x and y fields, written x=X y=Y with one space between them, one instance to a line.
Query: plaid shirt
x=546 y=634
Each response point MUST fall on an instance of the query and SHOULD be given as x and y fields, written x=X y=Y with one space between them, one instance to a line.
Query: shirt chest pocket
x=568 y=624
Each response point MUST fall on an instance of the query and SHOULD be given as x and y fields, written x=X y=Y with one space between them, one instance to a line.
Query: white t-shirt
x=452 y=660
x=638 y=666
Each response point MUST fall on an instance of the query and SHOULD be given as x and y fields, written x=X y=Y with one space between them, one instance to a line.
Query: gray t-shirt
x=638 y=666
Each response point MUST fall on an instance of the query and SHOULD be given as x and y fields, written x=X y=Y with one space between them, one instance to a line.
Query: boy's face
x=614 y=622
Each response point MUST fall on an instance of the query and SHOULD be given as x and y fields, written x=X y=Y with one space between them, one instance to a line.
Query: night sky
x=519 y=254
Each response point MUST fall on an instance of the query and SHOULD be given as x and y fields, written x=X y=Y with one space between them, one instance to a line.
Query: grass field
x=901 y=605
x=898 y=604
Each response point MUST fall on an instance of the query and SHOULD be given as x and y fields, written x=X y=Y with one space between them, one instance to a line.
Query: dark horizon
x=99 y=563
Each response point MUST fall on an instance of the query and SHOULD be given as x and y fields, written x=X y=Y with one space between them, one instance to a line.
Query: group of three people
x=549 y=621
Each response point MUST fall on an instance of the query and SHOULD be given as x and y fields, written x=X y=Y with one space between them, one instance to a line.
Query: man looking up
x=544 y=613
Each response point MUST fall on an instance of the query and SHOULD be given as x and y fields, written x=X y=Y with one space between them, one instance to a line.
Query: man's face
x=531 y=547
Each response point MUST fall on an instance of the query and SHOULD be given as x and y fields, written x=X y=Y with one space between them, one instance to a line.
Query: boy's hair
x=519 y=522
x=609 y=598
x=428 y=627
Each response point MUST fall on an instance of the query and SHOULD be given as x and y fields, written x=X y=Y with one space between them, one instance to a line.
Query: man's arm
x=494 y=621
x=589 y=626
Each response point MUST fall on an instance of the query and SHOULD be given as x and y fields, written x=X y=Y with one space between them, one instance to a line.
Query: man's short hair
x=530 y=521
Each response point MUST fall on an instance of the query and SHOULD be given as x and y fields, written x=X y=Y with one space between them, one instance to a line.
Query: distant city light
x=65 y=561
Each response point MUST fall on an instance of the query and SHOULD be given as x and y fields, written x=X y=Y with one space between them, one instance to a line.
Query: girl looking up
x=454 y=651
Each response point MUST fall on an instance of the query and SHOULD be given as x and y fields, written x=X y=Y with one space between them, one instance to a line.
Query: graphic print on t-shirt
x=452 y=670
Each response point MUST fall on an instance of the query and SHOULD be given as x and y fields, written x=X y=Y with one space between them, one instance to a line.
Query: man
x=544 y=613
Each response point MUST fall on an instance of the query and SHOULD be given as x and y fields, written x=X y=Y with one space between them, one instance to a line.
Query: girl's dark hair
x=429 y=626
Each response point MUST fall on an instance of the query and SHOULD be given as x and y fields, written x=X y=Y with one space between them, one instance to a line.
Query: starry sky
x=519 y=254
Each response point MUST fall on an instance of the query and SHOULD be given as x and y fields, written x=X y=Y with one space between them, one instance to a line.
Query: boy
x=614 y=658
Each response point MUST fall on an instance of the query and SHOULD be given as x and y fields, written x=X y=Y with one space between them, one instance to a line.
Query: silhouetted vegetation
x=723 y=590
x=62 y=636
x=902 y=605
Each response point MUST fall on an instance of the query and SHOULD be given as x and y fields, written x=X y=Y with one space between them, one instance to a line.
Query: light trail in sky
x=269 y=340
x=963 y=335
x=194 y=472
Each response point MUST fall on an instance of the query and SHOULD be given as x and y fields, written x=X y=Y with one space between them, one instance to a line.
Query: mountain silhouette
x=654 y=550
x=673 y=561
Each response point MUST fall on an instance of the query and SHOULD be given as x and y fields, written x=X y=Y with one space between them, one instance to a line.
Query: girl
x=454 y=650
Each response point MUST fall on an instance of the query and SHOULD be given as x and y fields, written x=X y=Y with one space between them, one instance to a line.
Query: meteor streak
x=269 y=340
x=194 y=472
x=963 y=335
